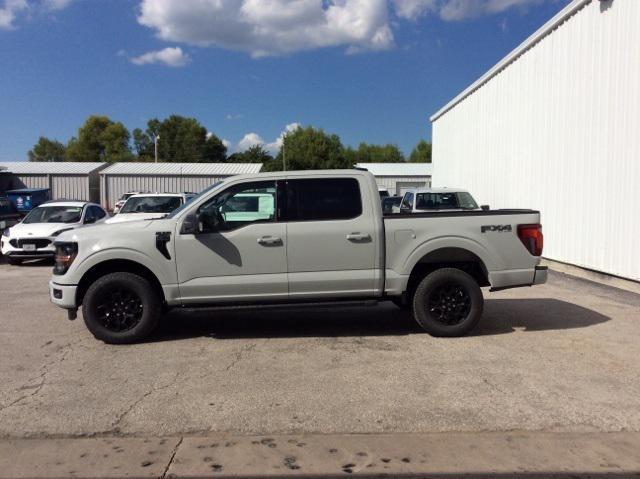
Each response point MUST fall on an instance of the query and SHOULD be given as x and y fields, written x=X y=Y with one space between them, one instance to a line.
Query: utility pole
x=155 y=144
x=284 y=154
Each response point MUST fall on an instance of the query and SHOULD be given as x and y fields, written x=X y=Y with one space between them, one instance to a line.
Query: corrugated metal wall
x=74 y=187
x=394 y=184
x=559 y=130
x=114 y=186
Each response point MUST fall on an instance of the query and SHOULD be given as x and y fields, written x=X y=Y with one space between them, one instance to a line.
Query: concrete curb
x=517 y=454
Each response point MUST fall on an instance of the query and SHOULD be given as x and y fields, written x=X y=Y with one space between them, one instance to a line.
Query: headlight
x=59 y=232
x=65 y=254
x=6 y=232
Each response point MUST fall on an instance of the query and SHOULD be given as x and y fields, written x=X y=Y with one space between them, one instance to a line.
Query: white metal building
x=78 y=181
x=555 y=126
x=121 y=178
x=400 y=177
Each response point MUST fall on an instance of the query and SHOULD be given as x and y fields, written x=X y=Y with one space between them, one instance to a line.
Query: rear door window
x=323 y=199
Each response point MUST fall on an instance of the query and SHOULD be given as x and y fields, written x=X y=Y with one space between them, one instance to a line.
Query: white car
x=123 y=199
x=431 y=200
x=33 y=237
x=149 y=206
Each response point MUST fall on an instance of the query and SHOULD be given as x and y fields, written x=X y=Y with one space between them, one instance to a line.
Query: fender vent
x=162 y=238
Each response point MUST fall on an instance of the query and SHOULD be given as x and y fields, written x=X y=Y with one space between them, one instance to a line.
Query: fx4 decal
x=498 y=228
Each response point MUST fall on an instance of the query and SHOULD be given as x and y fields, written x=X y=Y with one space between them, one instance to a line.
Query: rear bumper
x=540 y=276
x=501 y=280
x=63 y=295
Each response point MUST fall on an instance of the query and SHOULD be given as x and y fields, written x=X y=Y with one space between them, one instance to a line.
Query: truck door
x=240 y=254
x=331 y=238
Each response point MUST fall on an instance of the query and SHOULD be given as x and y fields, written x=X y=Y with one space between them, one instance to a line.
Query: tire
x=121 y=308
x=14 y=261
x=448 y=303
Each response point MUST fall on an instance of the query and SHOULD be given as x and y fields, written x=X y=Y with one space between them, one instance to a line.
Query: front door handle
x=358 y=237
x=270 y=241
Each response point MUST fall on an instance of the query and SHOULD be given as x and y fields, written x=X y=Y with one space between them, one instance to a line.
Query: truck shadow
x=534 y=314
x=501 y=316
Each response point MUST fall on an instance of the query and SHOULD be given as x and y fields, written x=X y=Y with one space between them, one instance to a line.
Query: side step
x=289 y=305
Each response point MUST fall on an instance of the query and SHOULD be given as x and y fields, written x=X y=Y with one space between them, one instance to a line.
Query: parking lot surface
x=563 y=357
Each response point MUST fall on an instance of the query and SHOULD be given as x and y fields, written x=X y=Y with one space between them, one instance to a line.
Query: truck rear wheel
x=121 y=308
x=448 y=303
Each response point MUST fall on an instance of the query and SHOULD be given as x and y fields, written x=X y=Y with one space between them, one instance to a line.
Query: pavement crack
x=239 y=355
x=42 y=377
x=171 y=459
x=115 y=426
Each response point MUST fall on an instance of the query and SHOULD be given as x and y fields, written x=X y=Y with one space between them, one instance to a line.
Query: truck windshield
x=151 y=204
x=54 y=214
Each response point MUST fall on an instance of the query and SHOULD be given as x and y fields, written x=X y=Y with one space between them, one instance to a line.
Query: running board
x=283 y=306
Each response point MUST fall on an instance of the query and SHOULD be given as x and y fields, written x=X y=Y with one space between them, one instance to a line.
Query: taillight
x=531 y=237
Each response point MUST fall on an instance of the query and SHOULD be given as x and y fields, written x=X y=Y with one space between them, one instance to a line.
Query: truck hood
x=38 y=230
x=125 y=217
x=113 y=232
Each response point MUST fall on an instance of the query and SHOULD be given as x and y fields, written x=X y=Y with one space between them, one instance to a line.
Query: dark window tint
x=97 y=212
x=323 y=199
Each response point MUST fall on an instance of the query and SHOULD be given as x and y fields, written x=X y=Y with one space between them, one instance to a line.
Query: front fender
x=163 y=275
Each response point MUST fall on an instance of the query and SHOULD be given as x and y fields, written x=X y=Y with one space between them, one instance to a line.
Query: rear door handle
x=270 y=241
x=358 y=237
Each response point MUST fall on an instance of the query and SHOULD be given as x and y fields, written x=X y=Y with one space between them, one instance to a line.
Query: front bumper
x=9 y=250
x=63 y=295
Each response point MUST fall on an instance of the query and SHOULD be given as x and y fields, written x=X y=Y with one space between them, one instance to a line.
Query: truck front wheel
x=121 y=308
x=448 y=303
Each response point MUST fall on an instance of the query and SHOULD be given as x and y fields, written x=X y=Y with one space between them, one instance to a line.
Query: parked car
x=123 y=199
x=389 y=203
x=147 y=206
x=34 y=236
x=26 y=199
x=383 y=192
x=9 y=216
x=436 y=199
x=324 y=239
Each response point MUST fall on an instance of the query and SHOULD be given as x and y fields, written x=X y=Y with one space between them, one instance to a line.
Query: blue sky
x=368 y=70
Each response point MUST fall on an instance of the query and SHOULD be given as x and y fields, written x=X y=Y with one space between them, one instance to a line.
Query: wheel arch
x=448 y=257
x=118 y=265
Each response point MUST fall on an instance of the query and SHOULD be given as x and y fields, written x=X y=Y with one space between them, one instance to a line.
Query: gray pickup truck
x=293 y=238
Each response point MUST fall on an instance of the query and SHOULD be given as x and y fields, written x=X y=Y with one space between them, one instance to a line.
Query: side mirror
x=191 y=225
x=88 y=221
x=485 y=207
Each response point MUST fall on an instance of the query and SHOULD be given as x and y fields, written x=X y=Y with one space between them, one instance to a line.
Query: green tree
x=100 y=139
x=181 y=139
x=421 y=153
x=255 y=154
x=367 y=153
x=309 y=149
x=47 y=150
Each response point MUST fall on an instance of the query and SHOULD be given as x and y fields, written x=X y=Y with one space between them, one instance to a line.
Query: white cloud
x=275 y=146
x=452 y=10
x=271 y=27
x=10 y=10
x=249 y=140
x=412 y=9
x=57 y=4
x=253 y=139
x=170 y=56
